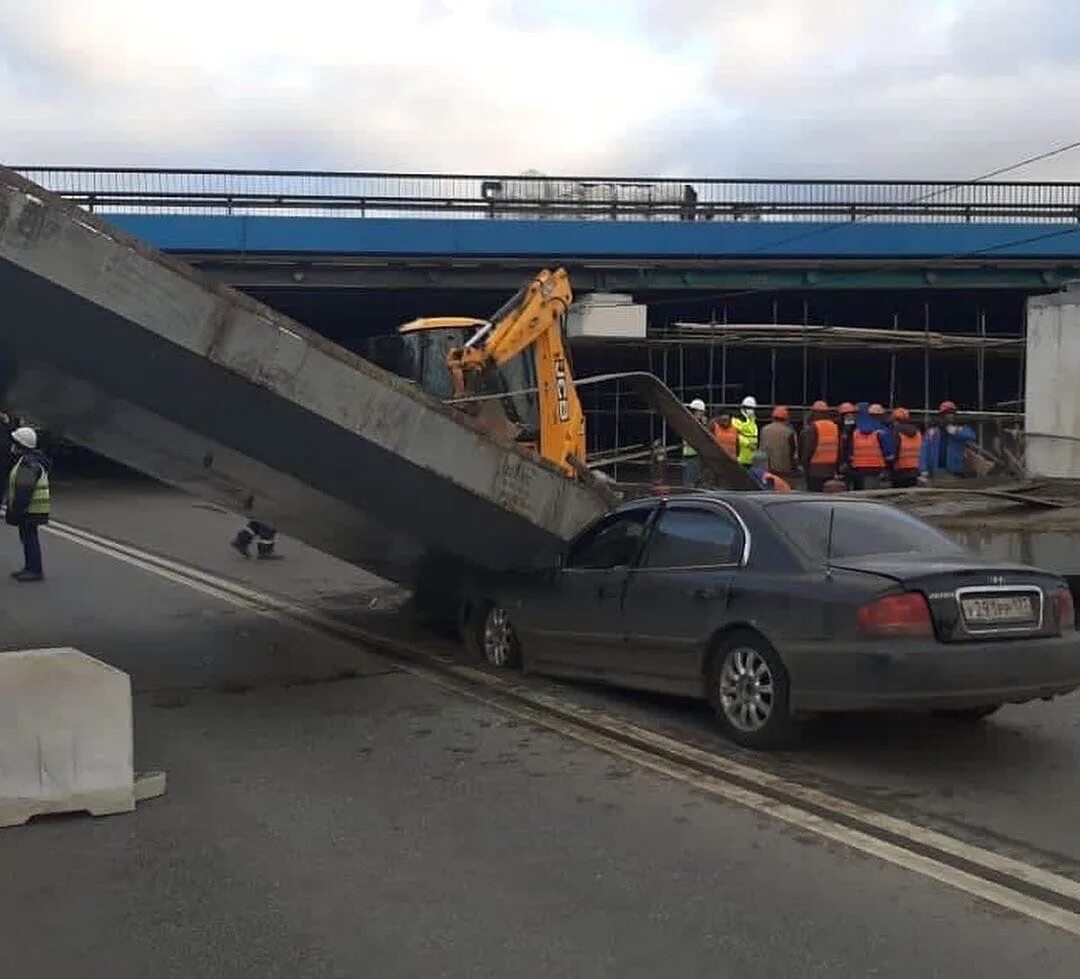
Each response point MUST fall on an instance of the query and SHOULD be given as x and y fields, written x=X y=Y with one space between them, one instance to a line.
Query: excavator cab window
x=422 y=358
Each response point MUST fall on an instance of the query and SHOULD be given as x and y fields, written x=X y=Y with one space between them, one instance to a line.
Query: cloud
x=920 y=88
x=434 y=85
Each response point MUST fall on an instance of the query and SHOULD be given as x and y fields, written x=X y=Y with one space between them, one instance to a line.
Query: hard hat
x=876 y=409
x=26 y=437
x=819 y=405
x=946 y=406
x=749 y=401
x=846 y=408
x=780 y=413
x=697 y=405
x=901 y=414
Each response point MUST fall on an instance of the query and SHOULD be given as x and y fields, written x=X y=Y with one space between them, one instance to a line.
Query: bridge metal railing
x=538 y=197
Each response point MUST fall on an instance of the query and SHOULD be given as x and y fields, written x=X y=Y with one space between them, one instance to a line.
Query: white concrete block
x=606 y=314
x=66 y=741
x=1052 y=422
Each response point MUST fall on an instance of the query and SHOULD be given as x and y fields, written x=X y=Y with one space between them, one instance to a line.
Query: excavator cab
x=510 y=372
x=505 y=394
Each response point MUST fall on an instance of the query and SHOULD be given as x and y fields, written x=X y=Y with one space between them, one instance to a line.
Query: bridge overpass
x=353 y=255
x=273 y=229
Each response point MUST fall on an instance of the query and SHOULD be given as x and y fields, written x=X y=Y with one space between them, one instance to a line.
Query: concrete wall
x=1052 y=385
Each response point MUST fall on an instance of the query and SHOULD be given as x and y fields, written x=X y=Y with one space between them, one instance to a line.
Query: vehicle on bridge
x=777 y=606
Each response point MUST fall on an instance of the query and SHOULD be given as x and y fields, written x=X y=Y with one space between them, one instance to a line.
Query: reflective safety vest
x=688 y=450
x=747 y=439
x=827 y=452
x=866 y=454
x=40 y=500
x=907 y=456
x=727 y=439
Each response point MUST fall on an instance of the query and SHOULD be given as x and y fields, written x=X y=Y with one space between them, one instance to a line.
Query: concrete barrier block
x=66 y=741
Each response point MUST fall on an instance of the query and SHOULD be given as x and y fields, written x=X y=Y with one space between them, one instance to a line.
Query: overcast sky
x=876 y=88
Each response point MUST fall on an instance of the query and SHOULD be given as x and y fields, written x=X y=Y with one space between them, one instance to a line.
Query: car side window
x=614 y=542
x=692 y=538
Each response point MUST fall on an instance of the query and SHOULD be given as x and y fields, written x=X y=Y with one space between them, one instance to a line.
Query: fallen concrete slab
x=134 y=355
x=66 y=737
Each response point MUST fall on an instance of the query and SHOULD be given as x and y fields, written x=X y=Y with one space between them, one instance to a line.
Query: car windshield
x=859 y=530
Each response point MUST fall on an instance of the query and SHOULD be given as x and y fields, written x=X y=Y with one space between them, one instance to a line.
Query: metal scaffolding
x=670 y=351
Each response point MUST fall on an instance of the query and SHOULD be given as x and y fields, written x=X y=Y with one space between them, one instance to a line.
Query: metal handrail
x=424 y=175
x=165 y=190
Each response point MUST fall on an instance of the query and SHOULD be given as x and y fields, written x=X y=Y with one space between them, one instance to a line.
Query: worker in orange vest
x=903 y=453
x=724 y=433
x=867 y=459
x=819 y=447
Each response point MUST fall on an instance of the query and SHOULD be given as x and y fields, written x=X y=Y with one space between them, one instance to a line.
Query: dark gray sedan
x=773 y=606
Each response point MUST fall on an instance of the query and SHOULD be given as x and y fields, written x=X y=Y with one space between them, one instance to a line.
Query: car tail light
x=1065 y=610
x=896 y=615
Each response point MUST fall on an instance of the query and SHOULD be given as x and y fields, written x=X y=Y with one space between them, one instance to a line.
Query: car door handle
x=708 y=594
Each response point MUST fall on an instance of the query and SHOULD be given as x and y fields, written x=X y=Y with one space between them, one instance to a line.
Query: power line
x=1031 y=159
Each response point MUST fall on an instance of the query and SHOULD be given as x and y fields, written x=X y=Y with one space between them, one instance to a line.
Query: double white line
x=1020 y=887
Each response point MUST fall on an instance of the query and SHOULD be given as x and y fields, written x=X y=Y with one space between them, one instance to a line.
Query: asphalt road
x=329 y=815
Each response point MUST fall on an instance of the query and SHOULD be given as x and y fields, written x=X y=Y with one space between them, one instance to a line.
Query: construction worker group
x=857 y=446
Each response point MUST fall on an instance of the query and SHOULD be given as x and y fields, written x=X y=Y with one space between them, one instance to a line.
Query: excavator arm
x=533 y=319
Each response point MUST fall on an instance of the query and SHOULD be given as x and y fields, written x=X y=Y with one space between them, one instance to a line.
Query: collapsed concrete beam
x=133 y=354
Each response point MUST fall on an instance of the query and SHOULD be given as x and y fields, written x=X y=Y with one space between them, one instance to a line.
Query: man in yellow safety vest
x=746 y=425
x=28 y=500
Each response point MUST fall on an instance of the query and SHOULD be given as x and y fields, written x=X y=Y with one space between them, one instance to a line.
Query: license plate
x=998 y=609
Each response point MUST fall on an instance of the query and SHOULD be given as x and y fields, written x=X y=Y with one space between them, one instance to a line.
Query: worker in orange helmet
x=847 y=413
x=945 y=446
x=819 y=447
x=778 y=441
x=904 y=447
x=724 y=434
x=867 y=459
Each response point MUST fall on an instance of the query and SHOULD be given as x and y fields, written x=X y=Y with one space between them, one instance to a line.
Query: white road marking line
x=567 y=719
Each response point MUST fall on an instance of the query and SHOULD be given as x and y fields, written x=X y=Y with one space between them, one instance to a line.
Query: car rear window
x=859 y=530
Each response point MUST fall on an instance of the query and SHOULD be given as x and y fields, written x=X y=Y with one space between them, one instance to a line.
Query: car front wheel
x=498 y=642
x=748 y=689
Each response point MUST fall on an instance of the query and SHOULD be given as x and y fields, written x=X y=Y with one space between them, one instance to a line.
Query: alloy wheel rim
x=747 y=689
x=498 y=637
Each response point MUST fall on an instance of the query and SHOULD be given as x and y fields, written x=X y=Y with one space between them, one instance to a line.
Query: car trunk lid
x=972 y=600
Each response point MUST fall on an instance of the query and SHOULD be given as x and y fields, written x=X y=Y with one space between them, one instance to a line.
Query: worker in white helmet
x=691 y=459
x=745 y=424
x=28 y=500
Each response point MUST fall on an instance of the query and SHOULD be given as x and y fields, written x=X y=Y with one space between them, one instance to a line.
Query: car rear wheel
x=748 y=689
x=969 y=714
x=498 y=642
